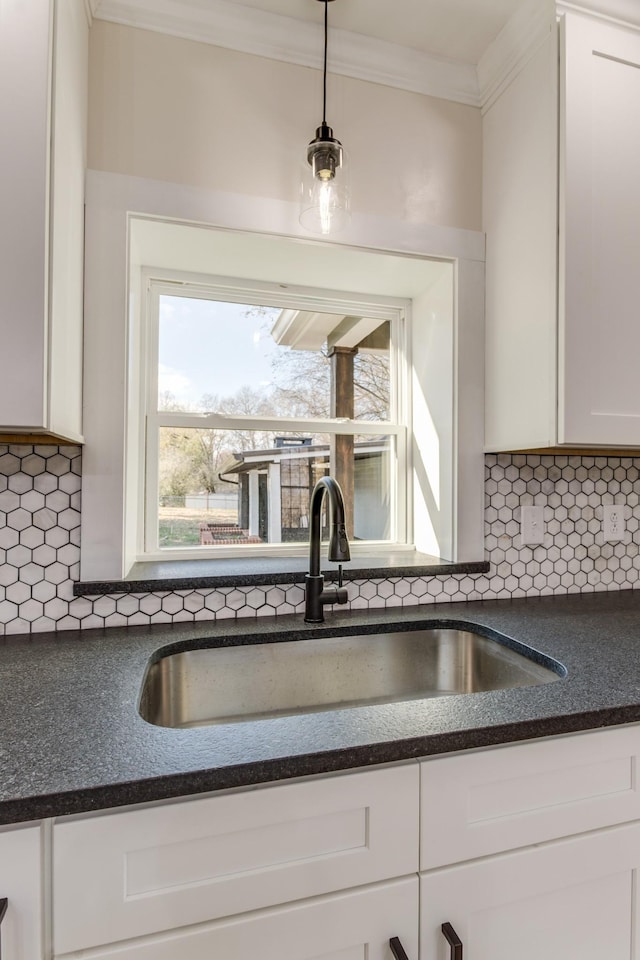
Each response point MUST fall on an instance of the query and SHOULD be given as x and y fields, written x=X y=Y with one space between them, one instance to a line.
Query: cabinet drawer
x=494 y=800
x=346 y=926
x=138 y=872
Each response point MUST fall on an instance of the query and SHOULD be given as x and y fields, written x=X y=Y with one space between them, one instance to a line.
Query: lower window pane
x=232 y=488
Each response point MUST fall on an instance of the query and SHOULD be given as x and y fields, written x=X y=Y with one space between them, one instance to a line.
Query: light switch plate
x=531 y=524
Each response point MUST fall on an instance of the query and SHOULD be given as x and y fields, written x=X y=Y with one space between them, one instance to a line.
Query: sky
x=210 y=347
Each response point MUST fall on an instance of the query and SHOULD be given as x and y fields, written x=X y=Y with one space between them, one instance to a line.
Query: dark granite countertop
x=263 y=571
x=71 y=739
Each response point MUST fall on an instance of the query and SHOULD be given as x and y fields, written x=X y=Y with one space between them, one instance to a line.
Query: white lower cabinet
x=486 y=802
x=569 y=900
x=348 y=926
x=179 y=865
x=529 y=851
x=21 y=885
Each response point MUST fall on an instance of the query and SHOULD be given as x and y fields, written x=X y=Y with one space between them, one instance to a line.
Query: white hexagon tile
x=40 y=546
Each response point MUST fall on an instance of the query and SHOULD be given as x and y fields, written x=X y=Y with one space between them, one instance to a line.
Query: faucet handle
x=337 y=595
x=341 y=592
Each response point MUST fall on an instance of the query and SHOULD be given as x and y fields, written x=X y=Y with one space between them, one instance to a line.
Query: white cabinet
x=21 y=884
x=185 y=866
x=563 y=284
x=575 y=899
x=599 y=395
x=347 y=926
x=489 y=801
x=43 y=107
x=530 y=850
x=569 y=898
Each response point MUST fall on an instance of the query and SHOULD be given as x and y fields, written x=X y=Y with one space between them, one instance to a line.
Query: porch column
x=254 y=515
x=342 y=405
x=275 y=503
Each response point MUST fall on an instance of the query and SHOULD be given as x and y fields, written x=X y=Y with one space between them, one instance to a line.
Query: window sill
x=164 y=575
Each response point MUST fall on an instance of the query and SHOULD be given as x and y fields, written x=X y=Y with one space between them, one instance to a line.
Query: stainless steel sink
x=257 y=681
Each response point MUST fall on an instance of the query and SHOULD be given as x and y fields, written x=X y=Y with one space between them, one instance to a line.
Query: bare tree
x=371 y=383
x=303 y=384
x=191 y=460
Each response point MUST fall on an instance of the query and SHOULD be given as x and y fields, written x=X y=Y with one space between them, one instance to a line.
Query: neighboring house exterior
x=275 y=486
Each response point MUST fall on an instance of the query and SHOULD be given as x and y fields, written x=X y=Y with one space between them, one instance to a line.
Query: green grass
x=178 y=533
x=180 y=526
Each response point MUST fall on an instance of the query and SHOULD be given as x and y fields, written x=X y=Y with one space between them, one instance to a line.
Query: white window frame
x=157 y=283
x=448 y=514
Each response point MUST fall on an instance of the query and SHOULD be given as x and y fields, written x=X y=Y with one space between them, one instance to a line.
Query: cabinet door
x=24 y=119
x=66 y=251
x=572 y=900
x=20 y=860
x=599 y=392
x=43 y=94
x=349 y=926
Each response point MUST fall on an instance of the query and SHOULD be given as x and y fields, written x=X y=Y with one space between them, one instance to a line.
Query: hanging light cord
x=324 y=81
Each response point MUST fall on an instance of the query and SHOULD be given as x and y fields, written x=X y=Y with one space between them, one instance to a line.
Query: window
x=254 y=392
x=439 y=414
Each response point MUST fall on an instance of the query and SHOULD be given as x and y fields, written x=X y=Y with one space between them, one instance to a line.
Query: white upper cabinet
x=599 y=396
x=43 y=111
x=562 y=216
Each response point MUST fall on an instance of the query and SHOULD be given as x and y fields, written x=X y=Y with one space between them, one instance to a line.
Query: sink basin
x=257 y=681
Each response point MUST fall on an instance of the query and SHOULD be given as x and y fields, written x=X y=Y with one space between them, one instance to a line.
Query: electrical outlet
x=613 y=526
x=532 y=525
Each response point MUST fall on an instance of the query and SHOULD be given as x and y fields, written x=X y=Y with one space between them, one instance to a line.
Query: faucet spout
x=315 y=594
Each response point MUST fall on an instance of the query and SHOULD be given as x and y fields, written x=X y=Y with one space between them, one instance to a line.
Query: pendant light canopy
x=325 y=199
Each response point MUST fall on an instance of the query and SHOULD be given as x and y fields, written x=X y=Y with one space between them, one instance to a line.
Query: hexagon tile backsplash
x=40 y=546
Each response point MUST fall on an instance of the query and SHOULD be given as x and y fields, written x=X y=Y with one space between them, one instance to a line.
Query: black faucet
x=315 y=596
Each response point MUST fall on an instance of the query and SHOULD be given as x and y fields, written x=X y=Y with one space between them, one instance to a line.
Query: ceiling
x=456 y=29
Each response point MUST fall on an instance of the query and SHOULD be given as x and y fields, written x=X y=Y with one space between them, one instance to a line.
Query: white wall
x=191 y=113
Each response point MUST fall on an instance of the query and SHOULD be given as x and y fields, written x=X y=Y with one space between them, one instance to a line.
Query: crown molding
x=515 y=44
x=258 y=32
x=528 y=28
x=625 y=13
x=90 y=9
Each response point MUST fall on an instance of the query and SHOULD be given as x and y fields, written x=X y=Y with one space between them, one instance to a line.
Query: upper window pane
x=263 y=361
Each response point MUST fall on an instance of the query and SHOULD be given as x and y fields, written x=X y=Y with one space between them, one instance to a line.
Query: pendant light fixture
x=325 y=200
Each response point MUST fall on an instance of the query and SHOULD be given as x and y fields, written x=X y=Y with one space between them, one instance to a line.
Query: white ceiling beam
x=352 y=331
x=304 y=330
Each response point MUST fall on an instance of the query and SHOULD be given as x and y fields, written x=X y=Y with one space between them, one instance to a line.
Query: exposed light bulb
x=323 y=212
x=325 y=200
x=324 y=195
